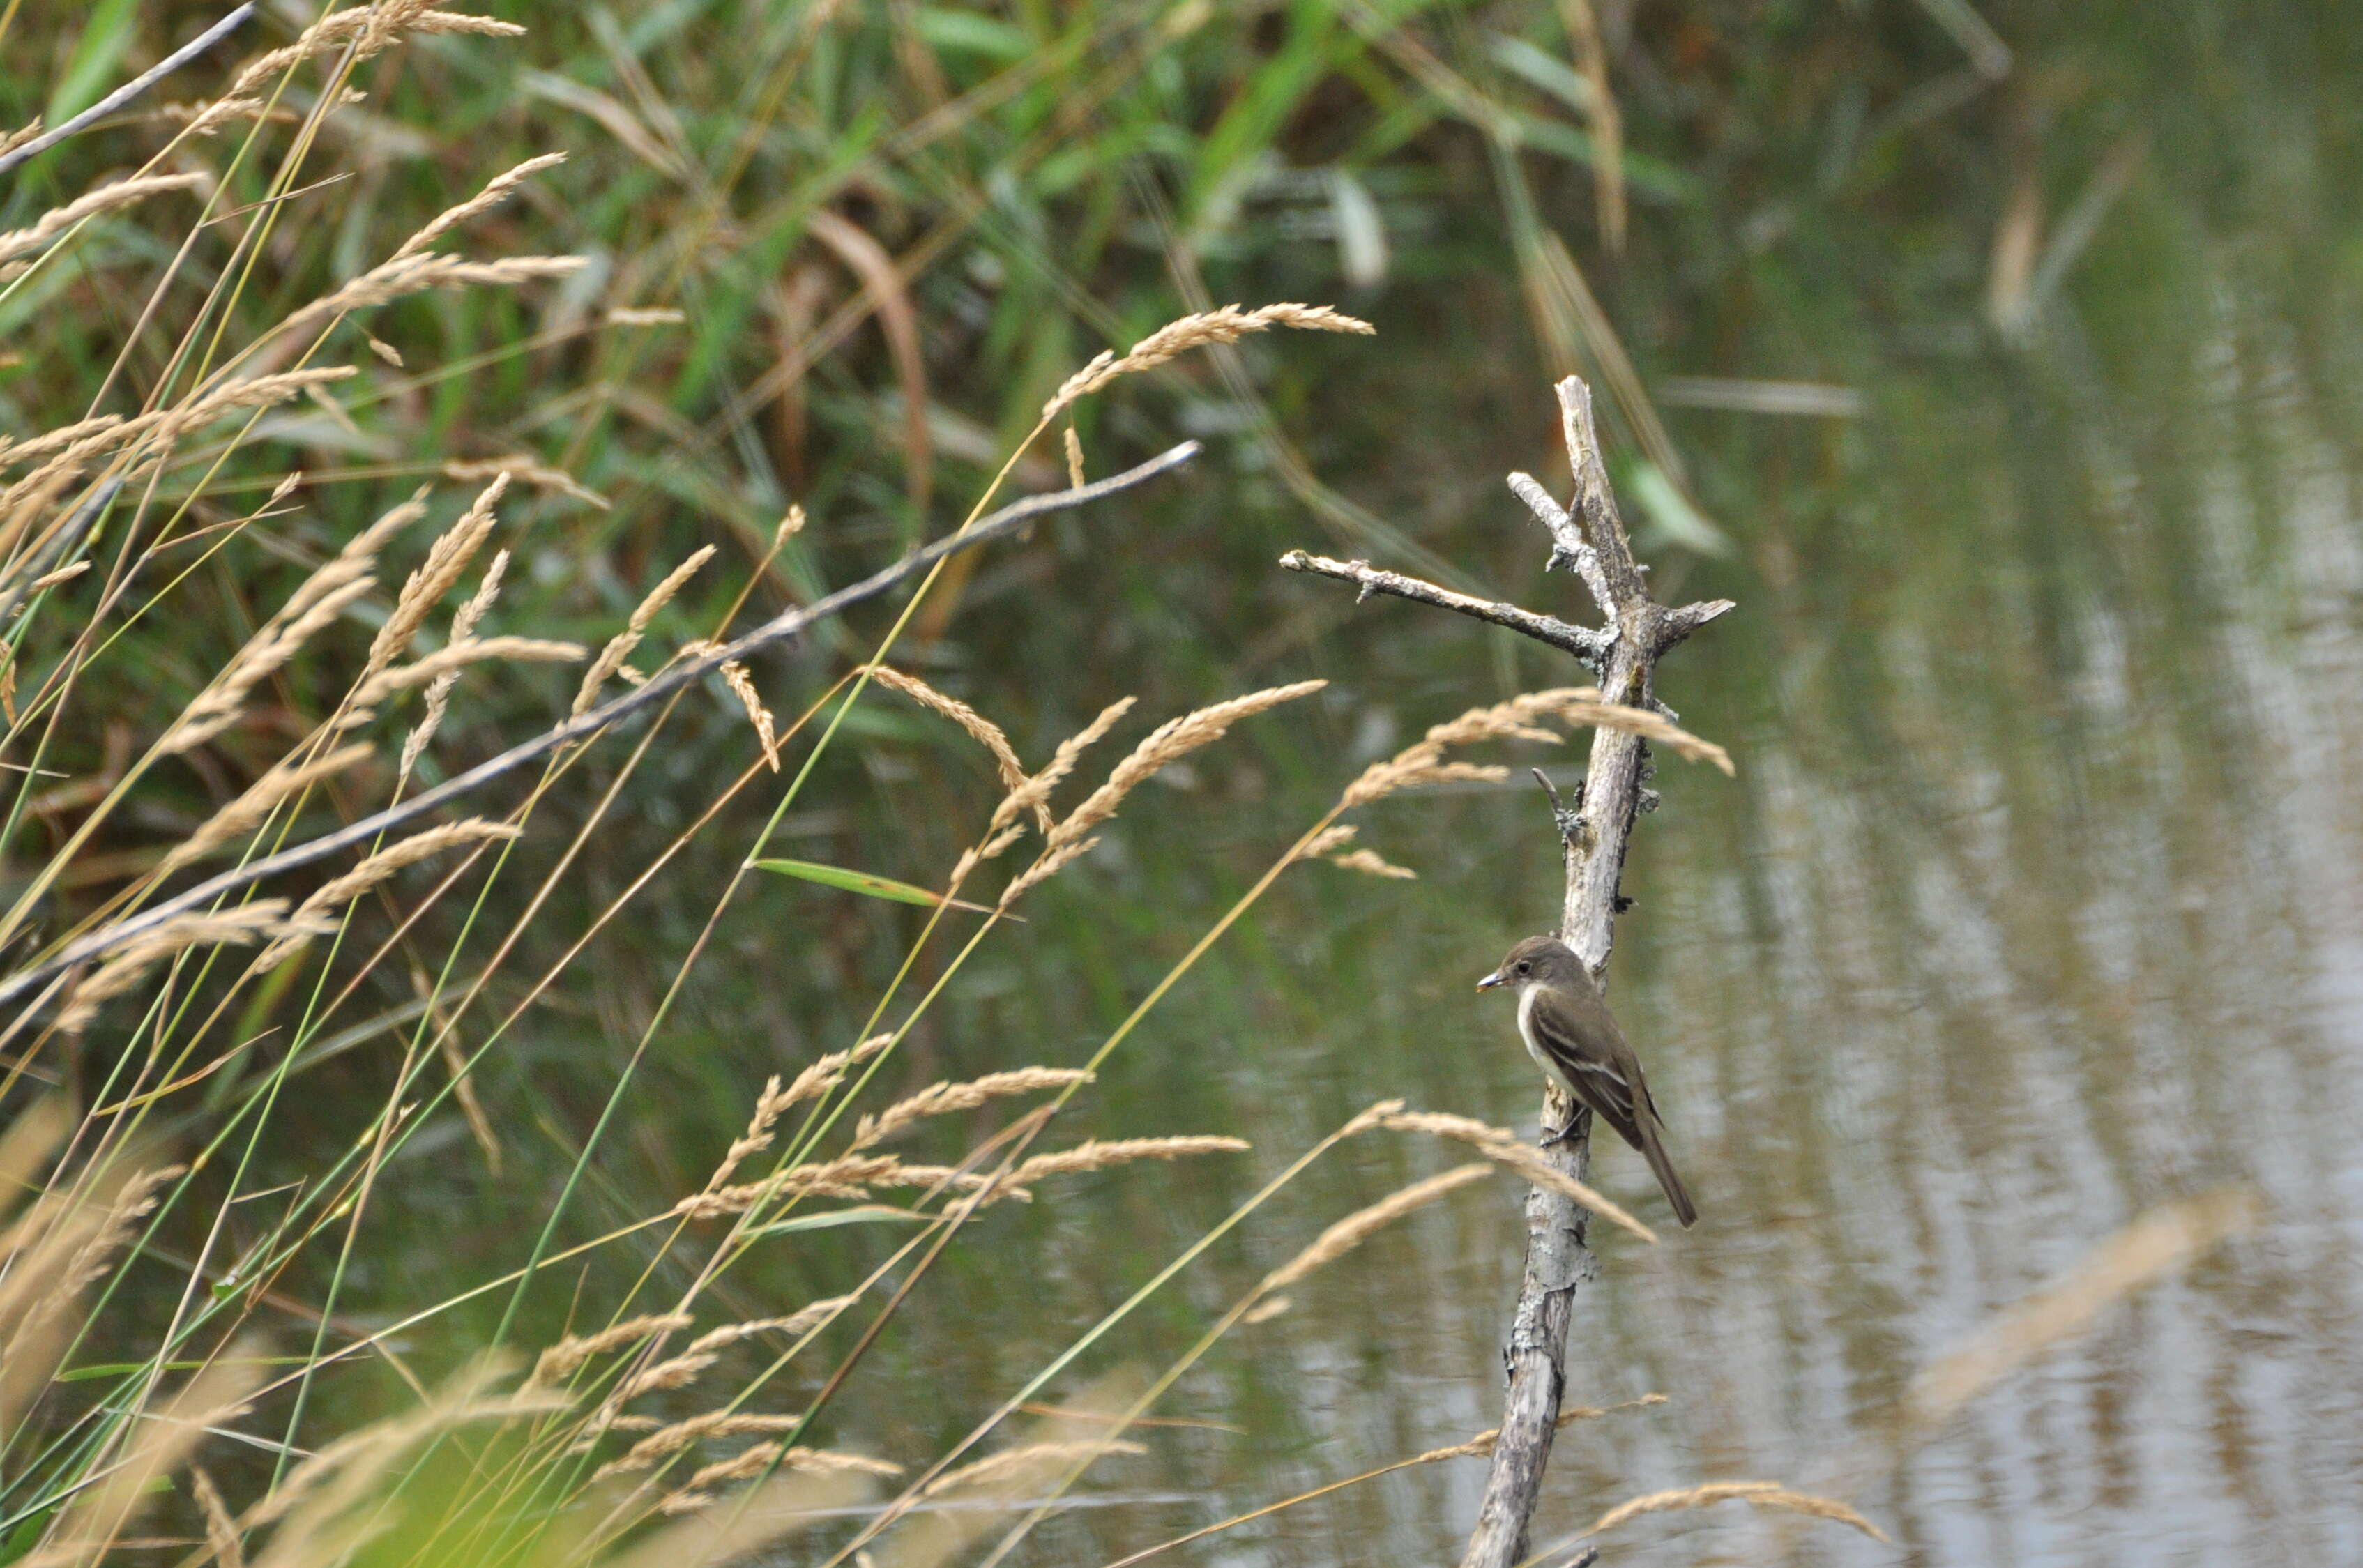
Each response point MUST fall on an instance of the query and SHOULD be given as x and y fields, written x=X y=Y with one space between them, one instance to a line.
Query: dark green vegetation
x=2042 y=689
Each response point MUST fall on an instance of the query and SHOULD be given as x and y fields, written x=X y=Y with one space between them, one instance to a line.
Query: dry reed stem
x=105 y=199
x=451 y=660
x=742 y=685
x=620 y=646
x=1076 y=478
x=562 y=1358
x=1096 y=1155
x=438 y=695
x=941 y=1099
x=1037 y=790
x=1227 y=325
x=495 y=190
x=245 y=813
x=1755 y=1494
x=986 y=733
x=1372 y=863
x=447 y=559
x=1022 y=1463
x=2155 y=1245
x=1512 y=1153
x=1359 y=1226
x=232 y=927
x=315 y=915
x=399 y=279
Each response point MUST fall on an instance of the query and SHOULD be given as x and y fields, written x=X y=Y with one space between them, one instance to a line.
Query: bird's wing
x=1592 y=1074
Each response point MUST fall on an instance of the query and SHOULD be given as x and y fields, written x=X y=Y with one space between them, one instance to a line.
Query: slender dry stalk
x=941 y=1099
x=105 y=199
x=986 y=733
x=1755 y=1494
x=496 y=191
x=1168 y=744
x=561 y=1359
x=1227 y=325
x=1363 y=1224
x=334 y=30
x=666 y=1442
x=1023 y=1463
x=245 y=813
x=850 y=1177
x=1372 y=863
x=1512 y=1153
x=826 y=1073
x=399 y=279
x=221 y=1531
x=1031 y=795
x=317 y=915
x=92 y=1523
x=755 y=1460
x=241 y=926
x=438 y=695
x=742 y=685
x=794 y=1323
x=1076 y=478
x=1096 y=1155
x=531 y=470
x=456 y=656
x=447 y=559
x=619 y=646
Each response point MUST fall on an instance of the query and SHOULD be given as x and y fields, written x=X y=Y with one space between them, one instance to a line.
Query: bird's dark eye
x=1523 y=966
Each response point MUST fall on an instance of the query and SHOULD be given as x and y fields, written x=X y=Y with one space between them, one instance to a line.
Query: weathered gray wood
x=1589 y=536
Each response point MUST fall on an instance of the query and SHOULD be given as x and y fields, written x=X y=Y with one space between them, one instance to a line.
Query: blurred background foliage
x=2001 y=362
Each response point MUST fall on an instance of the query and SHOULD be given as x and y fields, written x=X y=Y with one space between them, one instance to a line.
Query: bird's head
x=1538 y=961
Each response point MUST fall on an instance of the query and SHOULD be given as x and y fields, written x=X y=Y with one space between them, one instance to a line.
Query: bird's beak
x=1490 y=981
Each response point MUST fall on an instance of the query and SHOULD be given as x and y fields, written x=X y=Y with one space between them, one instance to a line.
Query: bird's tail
x=1661 y=1164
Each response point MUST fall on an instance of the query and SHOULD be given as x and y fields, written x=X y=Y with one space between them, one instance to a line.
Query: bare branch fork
x=587 y=725
x=1594 y=832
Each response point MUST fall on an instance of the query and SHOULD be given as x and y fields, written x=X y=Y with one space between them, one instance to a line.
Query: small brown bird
x=1569 y=1032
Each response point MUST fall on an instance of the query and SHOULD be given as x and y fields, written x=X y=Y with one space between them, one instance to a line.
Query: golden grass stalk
x=335 y=30
x=230 y=928
x=563 y=1358
x=439 y=694
x=1372 y=863
x=51 y=1254
x=850 y=1176
x=2153 y=1246
x=1076 y=479
x=827 y=1073
x=742 y=685
x=1096 y=1155
x=25 y=241
x=1755 y=1494
x=986 y=733
x=941 y=1099
x=620 y=646
x=1327 y=842
x=804 y=1317
x=1031 y=795
x=678 y=1372
x=666 y=1442
x=316 y=916
x=394 y=280
x=1166 y=744
x=756 y=1459
x=648 y=315
x=447 y=559
x=1512 y=1153
x=456 y=656
x=90 y=1524
x=245 y=813
x=1359 y=1226
x=1023 y=1465
x=496 y=191
x=1227 y=325
x=530 y=469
